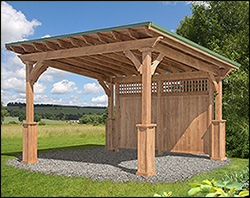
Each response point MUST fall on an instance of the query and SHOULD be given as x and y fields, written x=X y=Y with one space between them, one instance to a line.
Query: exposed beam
x=174 y=76
x=91 y=64
x=84 y=64
x=186 y=59
x=51 y=45
x=112 y=66
x=76 y=70
x=90 y=50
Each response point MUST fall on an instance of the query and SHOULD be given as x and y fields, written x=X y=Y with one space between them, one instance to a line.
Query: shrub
x=41 y=123
x=218 y=189
x=241 y=176
x=12 y=122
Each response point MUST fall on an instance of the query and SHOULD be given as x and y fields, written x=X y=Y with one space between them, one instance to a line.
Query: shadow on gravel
x=94 y=153
x=84 y=146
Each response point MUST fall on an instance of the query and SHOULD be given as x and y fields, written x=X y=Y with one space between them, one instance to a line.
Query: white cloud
x=46 y=36
x=169 y=2
x=188 y=2
x=7 y=97
x=63 y=87
x=39 y=88
x=204 y=3
x=91 y=88
x=100 y=99
x=14 y=25
x=13 y=83
x=56 y=73
x=10 y=60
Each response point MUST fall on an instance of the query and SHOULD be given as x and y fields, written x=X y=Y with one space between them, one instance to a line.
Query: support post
x=30 y=127
x=110 y=122
x=218 y=128
x=146 y=130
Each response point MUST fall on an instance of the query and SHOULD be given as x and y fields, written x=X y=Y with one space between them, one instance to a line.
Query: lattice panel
x=177 y=86
x=134 y=88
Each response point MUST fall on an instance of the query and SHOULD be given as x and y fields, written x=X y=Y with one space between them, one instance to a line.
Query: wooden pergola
x=167 y=90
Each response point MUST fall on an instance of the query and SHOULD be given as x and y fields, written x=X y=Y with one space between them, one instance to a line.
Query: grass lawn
x=20 y=183
x=47 y=121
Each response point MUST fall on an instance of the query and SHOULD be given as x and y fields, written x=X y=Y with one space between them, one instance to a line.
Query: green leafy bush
x=12 y=122
x=218 y=189
x=41 y=123
x=240 y=176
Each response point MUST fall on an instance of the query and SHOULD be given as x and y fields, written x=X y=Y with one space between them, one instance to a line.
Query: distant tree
x=21 y=117
x=37 y=118
x=4 y=112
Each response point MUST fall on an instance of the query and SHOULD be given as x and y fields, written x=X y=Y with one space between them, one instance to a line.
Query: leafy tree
x=21 y=117
x=4 y=112
x=223 y=27
x=37 y=118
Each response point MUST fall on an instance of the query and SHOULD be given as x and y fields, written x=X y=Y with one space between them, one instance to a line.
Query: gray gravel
x=121 y=166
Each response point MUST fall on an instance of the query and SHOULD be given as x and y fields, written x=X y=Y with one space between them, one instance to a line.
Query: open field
x=22 y=183
x=61 y=109
x=47 y=121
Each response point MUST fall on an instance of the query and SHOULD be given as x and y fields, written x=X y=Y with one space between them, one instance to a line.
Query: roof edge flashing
x=193 y=44
x=146 y=23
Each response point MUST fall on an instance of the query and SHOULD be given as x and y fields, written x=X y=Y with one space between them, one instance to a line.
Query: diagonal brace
x=105 y=86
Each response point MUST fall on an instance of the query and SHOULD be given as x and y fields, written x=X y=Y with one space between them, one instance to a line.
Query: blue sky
x=36 y=19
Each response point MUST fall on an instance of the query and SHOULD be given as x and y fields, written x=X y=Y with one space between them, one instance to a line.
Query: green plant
x=12 y=122
x=164 y=194
x=240 y=176
x=41 y=123
x=218 y=189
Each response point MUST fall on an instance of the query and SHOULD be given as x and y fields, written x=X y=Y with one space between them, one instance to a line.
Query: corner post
x=30 y=127
x=110 y=122
x=146 y=130
x=218 y=128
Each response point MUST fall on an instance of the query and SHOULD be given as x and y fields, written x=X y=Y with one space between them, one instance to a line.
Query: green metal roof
x=147 y=23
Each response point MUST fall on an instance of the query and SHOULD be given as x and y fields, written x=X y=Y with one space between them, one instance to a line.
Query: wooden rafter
x=90 y=50
x=185 y=59
x=77 y=70
x=96 y=64
x=89 y=66
x=111 y=65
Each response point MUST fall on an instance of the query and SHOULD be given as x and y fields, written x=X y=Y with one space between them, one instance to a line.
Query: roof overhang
x=103 y=53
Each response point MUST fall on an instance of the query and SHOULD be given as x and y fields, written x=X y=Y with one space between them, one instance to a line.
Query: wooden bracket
x=37 y=70
x=138 y=64
x=214 y=83
x=105 y=86
x=156 y=62
x=134 y=59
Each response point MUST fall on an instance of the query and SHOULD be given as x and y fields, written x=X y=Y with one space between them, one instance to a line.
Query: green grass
x=15 y=182
x=9 y=119
x=47 y=121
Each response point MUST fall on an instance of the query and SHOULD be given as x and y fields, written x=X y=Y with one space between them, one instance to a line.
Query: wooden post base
x=29 y=143
x=146 y=149
x=110 y=138
x=218 y=150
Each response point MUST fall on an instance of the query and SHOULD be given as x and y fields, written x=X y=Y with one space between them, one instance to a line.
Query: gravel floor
x=121 y=166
